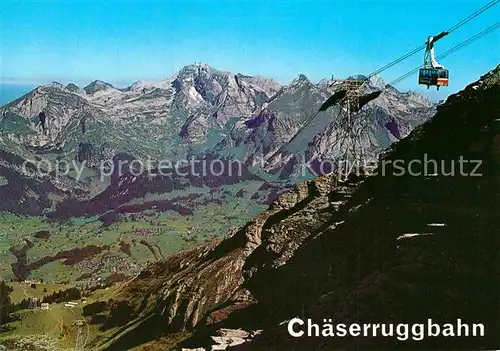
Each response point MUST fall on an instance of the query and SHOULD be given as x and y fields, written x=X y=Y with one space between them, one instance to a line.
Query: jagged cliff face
x=60 y=106
x=386 y=248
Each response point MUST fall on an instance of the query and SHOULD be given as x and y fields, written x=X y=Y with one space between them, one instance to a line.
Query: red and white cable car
x=433 y=74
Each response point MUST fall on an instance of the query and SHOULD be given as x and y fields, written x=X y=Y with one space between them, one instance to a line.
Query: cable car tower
x=350 y=95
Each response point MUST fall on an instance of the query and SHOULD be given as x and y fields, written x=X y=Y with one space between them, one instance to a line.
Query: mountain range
x=198 y=111
x=224 y=260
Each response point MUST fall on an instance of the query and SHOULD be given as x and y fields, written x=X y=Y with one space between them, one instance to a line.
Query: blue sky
x=122 y=42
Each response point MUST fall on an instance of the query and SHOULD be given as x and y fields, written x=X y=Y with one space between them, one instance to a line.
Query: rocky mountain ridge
x=199 y=112
x=194 y=101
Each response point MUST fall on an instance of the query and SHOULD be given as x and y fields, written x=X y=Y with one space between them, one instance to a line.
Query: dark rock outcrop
x=42 y=234
x=22 y=269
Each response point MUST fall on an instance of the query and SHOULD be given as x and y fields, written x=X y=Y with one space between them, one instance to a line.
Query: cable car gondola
x=433 y=74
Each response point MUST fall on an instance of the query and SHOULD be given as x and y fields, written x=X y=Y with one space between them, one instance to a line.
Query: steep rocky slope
x=386 y=248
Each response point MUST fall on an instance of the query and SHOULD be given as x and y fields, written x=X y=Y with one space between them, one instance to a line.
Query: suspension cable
x=470 y=40
x=390 y=64
x=473 y=15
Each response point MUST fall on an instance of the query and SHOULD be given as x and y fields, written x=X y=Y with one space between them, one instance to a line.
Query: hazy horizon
x=79 y=42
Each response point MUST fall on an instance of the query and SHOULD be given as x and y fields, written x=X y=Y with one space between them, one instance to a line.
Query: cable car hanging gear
x=433 y=74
